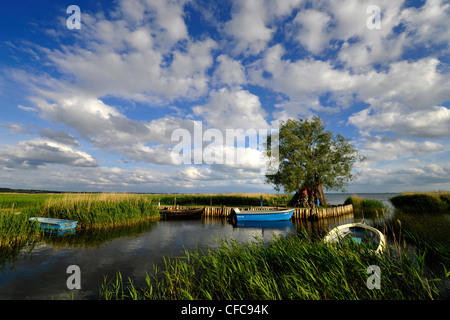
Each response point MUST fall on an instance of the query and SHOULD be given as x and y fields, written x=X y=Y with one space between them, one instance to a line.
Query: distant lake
x=41 y=273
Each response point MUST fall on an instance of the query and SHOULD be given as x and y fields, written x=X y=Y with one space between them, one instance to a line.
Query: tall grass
x=100 y=210
x=419 y=201
x=295 y=267
x=15 y=230
x=21 y=201
x=365 y=204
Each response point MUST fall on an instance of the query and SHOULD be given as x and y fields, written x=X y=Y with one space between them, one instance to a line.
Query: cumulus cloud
x=143 y=53
x=39 y=152
x=429 y=123
x=232 y=108
x=384 y=148
x=313 y=29
x=248 y=27
x=229 y=72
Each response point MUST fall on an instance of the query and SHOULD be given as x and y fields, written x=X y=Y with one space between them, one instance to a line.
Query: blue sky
x=94 y=109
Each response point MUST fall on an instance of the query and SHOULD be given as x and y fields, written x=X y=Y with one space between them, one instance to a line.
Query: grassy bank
x=296 y=267
x=99 y=210
x=367 y=205
x=417 y=201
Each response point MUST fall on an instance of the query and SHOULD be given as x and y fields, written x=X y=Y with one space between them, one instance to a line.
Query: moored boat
x=182 y=213
x=359 y=233
x=54 y=224
x=263 y=215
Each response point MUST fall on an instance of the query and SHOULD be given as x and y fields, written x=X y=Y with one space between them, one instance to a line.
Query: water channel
x=41 y=272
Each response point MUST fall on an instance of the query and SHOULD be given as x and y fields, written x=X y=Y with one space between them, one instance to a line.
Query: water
x=41 y=273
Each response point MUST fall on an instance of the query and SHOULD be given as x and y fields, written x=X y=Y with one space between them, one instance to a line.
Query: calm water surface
x=40 y=273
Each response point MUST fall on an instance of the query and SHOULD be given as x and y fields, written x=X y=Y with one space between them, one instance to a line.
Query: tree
x=312 y=158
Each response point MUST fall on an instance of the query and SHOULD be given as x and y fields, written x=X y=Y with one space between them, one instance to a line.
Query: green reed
x=432 y=202
x=365 y=204
x=15 y=230
x=100 y=210
x=295 y=267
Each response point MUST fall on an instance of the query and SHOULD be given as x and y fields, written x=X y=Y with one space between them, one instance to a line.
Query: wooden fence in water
x=300 y=213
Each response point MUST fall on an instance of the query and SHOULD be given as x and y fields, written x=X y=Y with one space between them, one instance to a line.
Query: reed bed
x=288 y=268
x=419 y=201
x=100 y=210
x=15 y=230
x=367 y=205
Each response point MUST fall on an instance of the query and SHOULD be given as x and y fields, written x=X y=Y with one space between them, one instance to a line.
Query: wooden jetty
x=299 y=213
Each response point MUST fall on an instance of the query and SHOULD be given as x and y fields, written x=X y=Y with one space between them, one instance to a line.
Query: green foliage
x=310 y=156
x=419 y=201
x=365 y=204
x=15 y=230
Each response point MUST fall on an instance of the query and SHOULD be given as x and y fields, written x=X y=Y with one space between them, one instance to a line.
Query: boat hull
x=55 y=224
x=182 y=214
x=264 y=215
x=359 y=233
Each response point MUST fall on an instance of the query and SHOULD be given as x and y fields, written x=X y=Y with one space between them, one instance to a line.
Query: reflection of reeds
x=295 y=267
x=100 y=210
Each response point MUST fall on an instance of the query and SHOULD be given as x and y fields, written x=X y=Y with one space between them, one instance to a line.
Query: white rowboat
x=359 y=233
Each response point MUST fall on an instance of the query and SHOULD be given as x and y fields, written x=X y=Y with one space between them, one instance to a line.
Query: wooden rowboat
x=263 y=215
x=170 y=214
x=359 y=233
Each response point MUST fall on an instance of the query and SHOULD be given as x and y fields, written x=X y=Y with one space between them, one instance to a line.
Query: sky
x=111 y=104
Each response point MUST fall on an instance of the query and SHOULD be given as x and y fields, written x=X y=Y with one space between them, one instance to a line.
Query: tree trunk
x=295 y=201
x=321 y=195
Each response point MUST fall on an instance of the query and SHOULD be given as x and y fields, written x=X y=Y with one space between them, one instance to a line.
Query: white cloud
x=312 y=30
x=39 y=152
x=151 y=59
x=229 y=72
x=429 y=23
x=232 y=109
x=388 y=149
x=248 y=26
x=428 y=123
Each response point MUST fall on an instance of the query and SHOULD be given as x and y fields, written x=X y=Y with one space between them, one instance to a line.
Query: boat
x=359 y=233
x=52 y=224
x=170 y=214
x=263 y=215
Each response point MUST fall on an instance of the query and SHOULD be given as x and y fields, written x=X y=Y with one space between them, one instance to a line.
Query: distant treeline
x=8 y=190
x=439 y=200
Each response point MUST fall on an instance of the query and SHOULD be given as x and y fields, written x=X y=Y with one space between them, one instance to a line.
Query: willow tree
x=312 y=158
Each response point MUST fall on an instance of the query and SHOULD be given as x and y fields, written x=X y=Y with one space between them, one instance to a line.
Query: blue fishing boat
x=53 y=224
x=263 y=215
